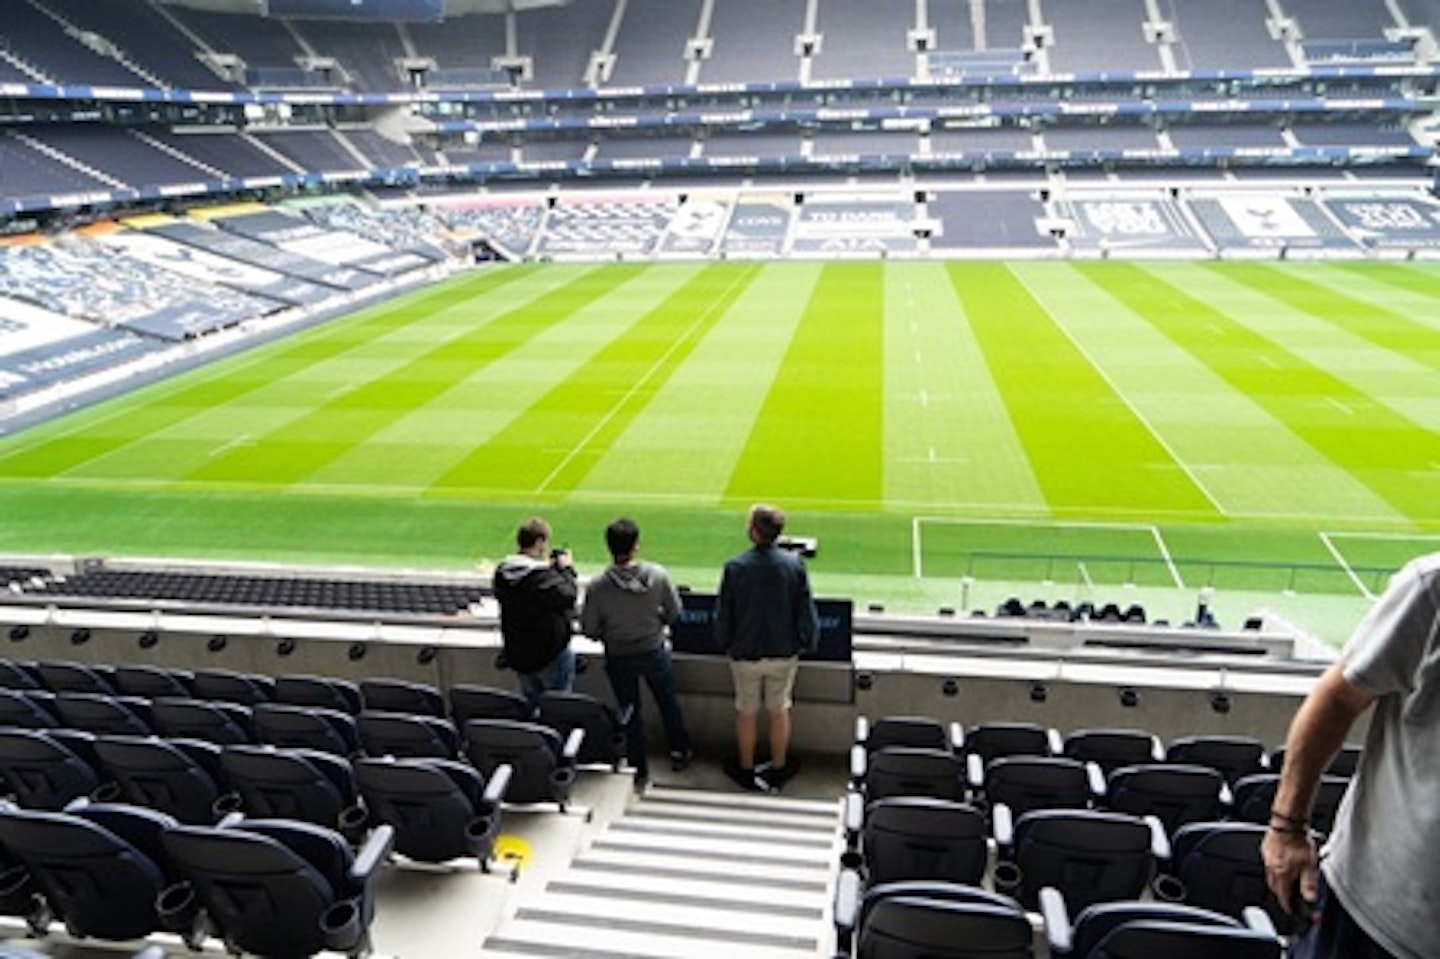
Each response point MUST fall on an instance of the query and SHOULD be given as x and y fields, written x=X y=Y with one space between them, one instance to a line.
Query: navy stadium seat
x=281 y=888
x=440 y=809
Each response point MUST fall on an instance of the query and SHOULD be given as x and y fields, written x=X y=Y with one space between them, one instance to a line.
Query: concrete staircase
x=686 y=873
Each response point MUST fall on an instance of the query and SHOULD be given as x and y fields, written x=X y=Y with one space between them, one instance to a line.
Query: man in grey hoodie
x=628 y=608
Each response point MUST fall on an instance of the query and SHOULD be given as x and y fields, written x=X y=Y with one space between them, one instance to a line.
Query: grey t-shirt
x=1383 y=857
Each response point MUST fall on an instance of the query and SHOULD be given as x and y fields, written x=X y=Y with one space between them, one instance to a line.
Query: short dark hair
x=621 y=536
x=768 y=522
x=532 y=531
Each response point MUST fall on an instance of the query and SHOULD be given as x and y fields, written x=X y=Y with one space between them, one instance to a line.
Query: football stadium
x=1089 y=346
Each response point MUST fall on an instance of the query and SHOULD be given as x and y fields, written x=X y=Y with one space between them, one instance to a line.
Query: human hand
x=1290 y=867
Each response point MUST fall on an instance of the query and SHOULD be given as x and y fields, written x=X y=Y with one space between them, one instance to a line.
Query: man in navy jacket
x=764 y=619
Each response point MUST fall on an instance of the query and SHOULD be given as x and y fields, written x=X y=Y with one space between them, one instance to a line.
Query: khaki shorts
x=764 y=682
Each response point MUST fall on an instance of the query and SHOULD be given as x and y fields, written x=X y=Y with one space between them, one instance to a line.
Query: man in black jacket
x=765 y=618
x=536 y=591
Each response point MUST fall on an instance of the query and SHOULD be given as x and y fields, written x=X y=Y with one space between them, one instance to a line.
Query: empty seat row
x=238 y=590
x=911 y=920
x=199 y=782
x=121 y=873
x=1233 y=756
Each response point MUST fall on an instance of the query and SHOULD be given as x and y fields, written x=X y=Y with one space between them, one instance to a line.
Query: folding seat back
x=280 y=888
x=469 y=702
x=995 y=740
x=1220 y=869
x=439 y=808
x=232 y=687
x=304 y=784
x=322 y=691
x=911 y=837
x=920 y=732
x=400 y=696
x=1112 y=748
x=1255 y=795
x=182 y=778
x=915 y=771
x=104 y=714
x=604 y=742
x=307 y=727
x=1024 y=783
x=406 y=735
x=27 y=709
x=908 y=920
x=63 y=677
x=1144 y=930
x=1088 y=856
x=100 y=869
x=41 y=771
x=1146 y=939
x=152 y=682
x=1233 y=756
x=542 y=765
x=1175 y=793
x=216 y=721
x=1346 y=761
x=18 y=675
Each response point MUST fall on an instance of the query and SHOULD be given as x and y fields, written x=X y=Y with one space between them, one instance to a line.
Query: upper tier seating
x=44 y=43
x=148 y=38
x=860 y=37
x=650 y=48
x=754 y=43
x=1100 y=35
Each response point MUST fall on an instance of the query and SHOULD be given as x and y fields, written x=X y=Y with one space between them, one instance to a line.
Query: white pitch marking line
x=1344 y=565
x=1342 y=407
x=242 y=440
x=1169 y=560
x=638 y=385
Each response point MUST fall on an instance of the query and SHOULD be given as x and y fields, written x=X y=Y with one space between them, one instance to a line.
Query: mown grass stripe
x=818 y=437
x=948 y=438
x=293 y=451
x=1362 y=318
x=1402 y=276
x=64 y=445
x=574 y=423
x=1384 y=451
x=1088 y=449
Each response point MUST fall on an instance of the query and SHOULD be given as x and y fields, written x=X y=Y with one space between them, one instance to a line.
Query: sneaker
x=777 y=776
x=747 y=779
x=680 y=759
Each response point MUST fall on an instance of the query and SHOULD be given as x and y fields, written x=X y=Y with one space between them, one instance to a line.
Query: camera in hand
x=557 y=554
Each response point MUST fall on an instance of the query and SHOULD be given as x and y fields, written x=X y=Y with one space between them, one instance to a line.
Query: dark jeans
x=1334 y=934
x=558 y=675
x=625 y=673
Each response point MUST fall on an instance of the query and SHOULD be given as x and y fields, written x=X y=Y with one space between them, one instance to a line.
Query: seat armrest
x=1227 y=798
x=974 y=772
x=1002 y=826
x=862 y=730
x=377 y=846
x=1057 y=921
x=1159 y=841
x=499 y=782
x=571 y=749
x=854 y=812
x=847 y=909
x=1096 y=776
x=1259 y=920
x=1157 y=749
x=1055 y=741
x=859 y=764
x=957 y=737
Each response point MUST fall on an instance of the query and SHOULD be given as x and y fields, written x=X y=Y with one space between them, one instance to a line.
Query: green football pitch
x=1266 y=425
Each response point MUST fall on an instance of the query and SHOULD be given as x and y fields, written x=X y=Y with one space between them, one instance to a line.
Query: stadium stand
x=652 y=46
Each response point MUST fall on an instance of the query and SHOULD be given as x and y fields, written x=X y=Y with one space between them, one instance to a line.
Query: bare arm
x=1316 y=735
